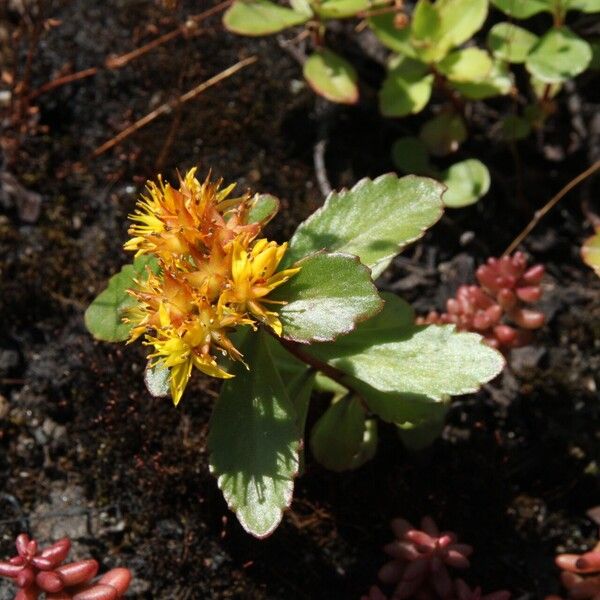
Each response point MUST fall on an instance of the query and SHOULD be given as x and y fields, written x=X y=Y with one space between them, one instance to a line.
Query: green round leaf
x=332 y=77
x=443 y=134
x=104 y=316
x=409 y=155
x=497 y=83
x=467 y=182
x=374 y=220
x=337 y=437
x=260 y=17
x=437 y=28
x=558 y=56
x=406 y=89
x=254 y=440
x=469 y=64
x=339 y=9
x=510 y=42
x=515 y=128
x=398 y=40
x=461 y=19
x=327 y=298
x=522 y=9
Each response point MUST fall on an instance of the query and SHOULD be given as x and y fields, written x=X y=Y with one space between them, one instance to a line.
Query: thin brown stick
x=539 y=214
x=296 y=350
x=116 y=62
x=59 y=81
x=168 y=106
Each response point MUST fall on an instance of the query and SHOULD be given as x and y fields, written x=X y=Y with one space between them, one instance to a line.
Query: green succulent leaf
x=392 y=354
x=368 y=446
x=467 y=182
x=339 y=9
x=397 y=40
x=558 y=56
x=327 y=298
x=461 y=19
x=468 y=64
x=332 y=77
x=254 y=440
x=104 y=316
x=522 y=9
x=443 y=134
x=260 y=17
x=406 y=89
x=409 y=155
x=510 y=42
x=263 y=207
x=302 y=6
x=426 y=32
x=420 y=436
x=337 y=437
x=438 y=27
x=515 y=128
x=586 y=6
x=498 y=82
x=374 y=220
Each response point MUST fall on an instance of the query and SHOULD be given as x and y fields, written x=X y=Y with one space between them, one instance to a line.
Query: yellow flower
x=253 y=277
x=184 y=222
x=213 y=276
x=190 y=345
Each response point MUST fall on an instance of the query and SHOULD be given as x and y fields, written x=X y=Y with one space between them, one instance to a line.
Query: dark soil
x=85 y=450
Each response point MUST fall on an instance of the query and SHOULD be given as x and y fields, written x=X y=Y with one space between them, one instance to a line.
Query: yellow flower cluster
x=214 y=275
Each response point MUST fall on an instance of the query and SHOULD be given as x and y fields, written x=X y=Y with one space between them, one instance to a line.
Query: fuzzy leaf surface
x=327 y=298
x=332 y=77
x=392 y=354
x=374 y=220
x=254 y=441
x=156 y=379
x=260 y=17
x=104 y=316
x=559 y=55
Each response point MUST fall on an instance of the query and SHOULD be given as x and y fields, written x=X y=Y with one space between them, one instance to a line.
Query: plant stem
x=296 y=350
x=539 y=214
